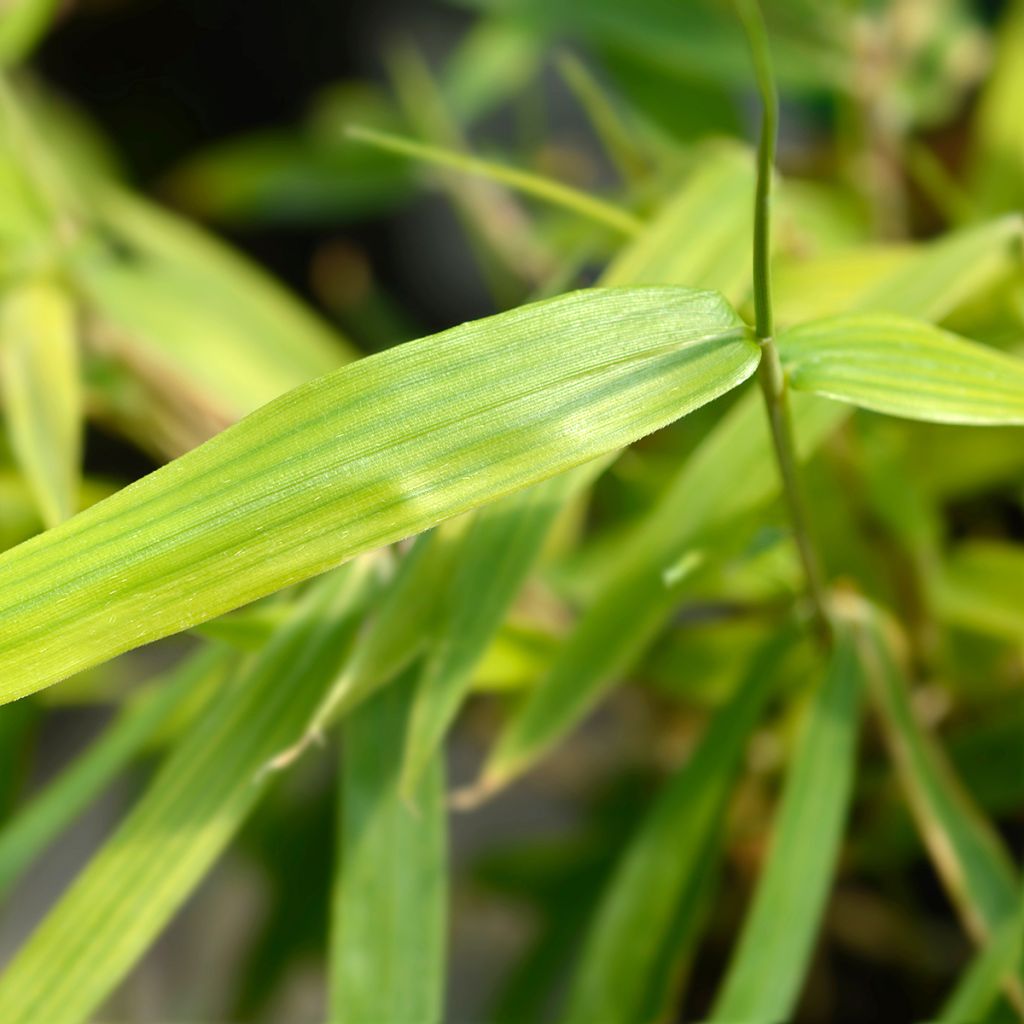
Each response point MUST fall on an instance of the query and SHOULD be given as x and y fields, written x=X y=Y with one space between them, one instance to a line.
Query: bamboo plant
x=363 y=548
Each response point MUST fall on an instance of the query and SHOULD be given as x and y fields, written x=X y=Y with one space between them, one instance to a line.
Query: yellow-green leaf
x=204 y=791
x=39 y=372
x=376 y=451
x=904 y=367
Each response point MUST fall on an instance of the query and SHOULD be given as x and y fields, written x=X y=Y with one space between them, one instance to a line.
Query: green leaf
x=22 y=24
x=659 y=874
x=186 y=313
x=702 y=235
x=904 y=368
x=42 y=397
x=31 y=830
x=389 y=905
x=772 y=955
x=494 y=558
x=545 y=189
x=978 y=988
x=376 y=451
x=965 y=849
x=949 y=271
x=980 y=586
x=207 y=786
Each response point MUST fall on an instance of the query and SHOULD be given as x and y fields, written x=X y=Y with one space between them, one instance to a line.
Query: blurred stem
x=771 y=375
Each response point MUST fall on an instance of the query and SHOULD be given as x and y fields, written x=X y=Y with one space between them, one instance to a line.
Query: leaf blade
x=768 y=964
x=333 y=468
x=906 y=368
x=39 y=370
x=387 y=955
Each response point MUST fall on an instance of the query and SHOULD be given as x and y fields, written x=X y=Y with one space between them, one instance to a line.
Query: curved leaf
x=904 y=368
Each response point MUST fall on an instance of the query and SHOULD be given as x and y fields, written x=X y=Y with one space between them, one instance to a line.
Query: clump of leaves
x=802 y=518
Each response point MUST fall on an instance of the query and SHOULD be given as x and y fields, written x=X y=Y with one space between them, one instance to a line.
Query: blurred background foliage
x=183 y=125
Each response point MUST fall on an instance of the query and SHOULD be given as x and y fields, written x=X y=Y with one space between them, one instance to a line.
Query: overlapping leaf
x=769 y=964
x=389 y=905
x=202 y=794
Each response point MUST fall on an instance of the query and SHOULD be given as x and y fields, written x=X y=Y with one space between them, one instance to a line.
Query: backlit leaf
x=376 y=451
x=905 y=368
x=206 y=788
x=39 y=373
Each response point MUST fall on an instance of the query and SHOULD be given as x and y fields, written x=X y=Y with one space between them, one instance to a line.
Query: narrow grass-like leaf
x=701 y=237
x=376 y=451
x=39 y=372
x=770 y=961
x=660 y=868
x=202 y=794
x=184 y=311
x=534 y=185
x=499 y=549
x=965 y=849
x=949 y=271
x=391 y=636
x=904 y=368
x=389 y=905
x=978 y=988
x=30 y=831
x=22 y=24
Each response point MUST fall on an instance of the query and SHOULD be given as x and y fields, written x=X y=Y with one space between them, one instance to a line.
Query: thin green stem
x=770 y=372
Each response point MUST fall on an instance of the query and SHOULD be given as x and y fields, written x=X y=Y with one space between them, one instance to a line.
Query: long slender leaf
x=373 y=452
x=39 y=371
x=904 y=368
x=31 y=830
x=206 y=788
x=498 y=551
x=701 y=237
x=389 y=906
x=659 y=872
x=965 y=849
x=22 y=24
x=978 y=988
x=770 y=961
x=530 y=184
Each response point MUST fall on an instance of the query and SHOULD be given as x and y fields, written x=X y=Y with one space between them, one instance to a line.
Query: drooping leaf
x=770 y=962
x=659 y=873
x=389 y=904
x=207 y=786
x=184 y=311
x=544 y=189
x=499 y=549
x=28 y=832
x=39 y=372
x=904 y=368
x=965 y=850
x=376 y=451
